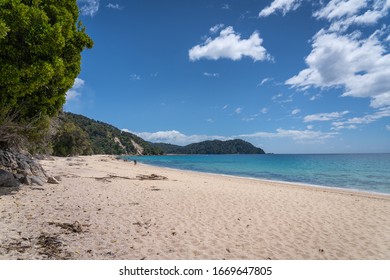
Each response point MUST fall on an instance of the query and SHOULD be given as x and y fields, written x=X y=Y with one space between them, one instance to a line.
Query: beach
x=105 y=208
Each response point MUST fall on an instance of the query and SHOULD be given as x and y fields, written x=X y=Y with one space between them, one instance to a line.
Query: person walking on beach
x=135 y=162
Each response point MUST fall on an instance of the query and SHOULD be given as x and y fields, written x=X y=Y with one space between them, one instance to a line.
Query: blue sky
x=289 y=76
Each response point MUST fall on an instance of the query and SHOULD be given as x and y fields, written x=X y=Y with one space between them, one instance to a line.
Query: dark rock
x=19 y=177
x=7 y=179
x=25 y=169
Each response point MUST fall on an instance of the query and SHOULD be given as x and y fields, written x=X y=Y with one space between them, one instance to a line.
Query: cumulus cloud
x=280 y=5
x=74 y=92
x=230 y=45
x=88 y=7
x=324 y=116
x=175 y=137
x=360 y=65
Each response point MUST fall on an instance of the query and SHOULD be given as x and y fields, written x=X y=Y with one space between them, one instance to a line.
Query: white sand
x=187 y=216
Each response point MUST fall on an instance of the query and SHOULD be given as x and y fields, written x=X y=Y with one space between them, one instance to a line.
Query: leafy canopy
x=40 y=54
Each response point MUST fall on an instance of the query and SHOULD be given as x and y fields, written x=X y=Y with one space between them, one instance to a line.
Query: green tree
x=40 y=53
x=3 y=29
x=71 y=140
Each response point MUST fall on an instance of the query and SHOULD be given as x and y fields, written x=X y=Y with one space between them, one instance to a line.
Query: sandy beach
x=105 y=208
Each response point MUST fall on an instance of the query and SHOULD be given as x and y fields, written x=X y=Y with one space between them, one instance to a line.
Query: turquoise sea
x=365 y=172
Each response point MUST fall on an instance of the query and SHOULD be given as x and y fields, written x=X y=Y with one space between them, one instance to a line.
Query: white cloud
x=248 y=119
x=230 y=45
x=216 y=28
x=388 y=127
x=367 y=119
x=339 y=8
x=344 y=13
x=296 y=135
x=280 y=5
x=114 y=6
x=238 y=110
x=207 y=74
x=88 y=7
x=325 y=116
x=135 y=77
x=178 y=138
x=315 y=97
x=225 y=7
x=264 y=111
x=360 y=65
x=175 y=137
x=225 y=107
x=74 y=92
x=265 y=80
x=277 y=96
x=295 y=111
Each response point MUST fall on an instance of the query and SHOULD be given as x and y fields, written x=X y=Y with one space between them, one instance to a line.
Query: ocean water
x=365 y=172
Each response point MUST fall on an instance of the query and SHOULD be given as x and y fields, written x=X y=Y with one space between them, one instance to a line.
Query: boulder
x=7 y=179
x=23 y=167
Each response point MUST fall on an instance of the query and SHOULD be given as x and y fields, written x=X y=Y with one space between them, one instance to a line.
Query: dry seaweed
x=19 y=245
x=51 y=247
x=151 y=177
x=76 y=227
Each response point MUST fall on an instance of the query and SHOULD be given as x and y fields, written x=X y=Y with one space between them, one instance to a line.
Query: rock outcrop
x=20 y=168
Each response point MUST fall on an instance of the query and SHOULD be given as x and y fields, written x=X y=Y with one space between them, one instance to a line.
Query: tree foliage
x=71 y=140
x=40 y=52
x=3 y=29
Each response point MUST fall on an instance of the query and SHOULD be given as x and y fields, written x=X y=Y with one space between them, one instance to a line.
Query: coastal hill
x=236 y=146
x=79 y=135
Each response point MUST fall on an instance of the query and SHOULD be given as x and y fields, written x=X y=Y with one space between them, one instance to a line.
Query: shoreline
x=106 y=208
x=292 y=183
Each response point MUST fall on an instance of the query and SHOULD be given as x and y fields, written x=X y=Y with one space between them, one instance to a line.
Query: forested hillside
x=236 y=146
x=79 y=135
